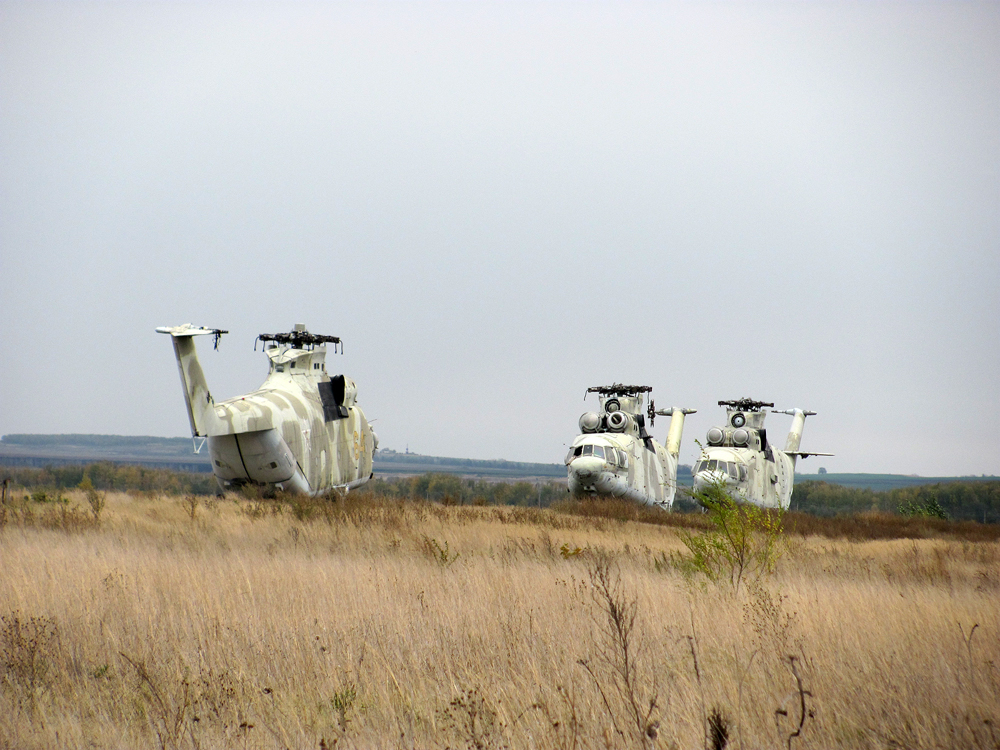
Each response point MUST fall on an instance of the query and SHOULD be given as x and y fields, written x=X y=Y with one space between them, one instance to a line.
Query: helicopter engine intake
x=618 y=421
x=590 y=422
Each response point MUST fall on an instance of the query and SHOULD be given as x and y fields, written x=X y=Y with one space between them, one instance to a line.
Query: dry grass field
x=173 y=623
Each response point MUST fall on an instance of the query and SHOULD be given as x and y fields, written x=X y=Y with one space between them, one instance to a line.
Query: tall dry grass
x=178 y=623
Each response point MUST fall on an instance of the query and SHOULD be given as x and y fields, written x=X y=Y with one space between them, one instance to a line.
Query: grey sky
x=497 y=205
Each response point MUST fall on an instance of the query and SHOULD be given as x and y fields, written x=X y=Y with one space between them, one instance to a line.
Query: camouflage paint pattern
x=739 y=456
x=648 y=475
x=280 y=434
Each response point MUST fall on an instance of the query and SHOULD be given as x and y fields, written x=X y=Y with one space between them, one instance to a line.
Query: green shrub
x=927 y=509
x=743 y=541
x=439 y=553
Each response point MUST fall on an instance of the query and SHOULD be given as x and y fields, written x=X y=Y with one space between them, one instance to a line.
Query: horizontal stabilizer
x=190 y=330
x=806 y=454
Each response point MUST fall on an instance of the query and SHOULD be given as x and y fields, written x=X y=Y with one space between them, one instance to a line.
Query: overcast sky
x=497 y=205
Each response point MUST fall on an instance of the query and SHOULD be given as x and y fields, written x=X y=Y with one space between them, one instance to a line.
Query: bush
x=744 y=541
x=928 y=509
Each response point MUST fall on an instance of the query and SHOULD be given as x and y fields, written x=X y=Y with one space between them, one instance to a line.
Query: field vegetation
x=961 y=500
x=145 y=620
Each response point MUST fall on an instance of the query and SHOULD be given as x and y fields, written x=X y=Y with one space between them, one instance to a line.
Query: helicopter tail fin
x=677 y=415
x=795 y=432
x=200 y=405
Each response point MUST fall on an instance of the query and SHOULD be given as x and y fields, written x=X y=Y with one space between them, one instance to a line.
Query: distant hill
x=128 y=443
x=389 y=462
x=883 y=482
x=59 y=450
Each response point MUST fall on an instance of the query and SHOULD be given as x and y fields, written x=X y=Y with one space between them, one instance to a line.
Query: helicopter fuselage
x=748 y=475
x=615 y=457
x=739 y=458
x=621 y=466
x=301 y=430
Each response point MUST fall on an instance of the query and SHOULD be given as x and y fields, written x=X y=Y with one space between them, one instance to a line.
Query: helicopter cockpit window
x=588 y=450
x=599 y=452
x=622 y=458
x=733 y=469
x=611 y=456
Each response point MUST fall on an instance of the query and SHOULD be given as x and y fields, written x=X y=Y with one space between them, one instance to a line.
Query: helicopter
x=740 y=458
x=615 y=456
x=301 y=431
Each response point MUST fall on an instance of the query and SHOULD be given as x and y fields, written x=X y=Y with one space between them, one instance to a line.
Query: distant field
x=177 y=622
x=60 y=450
x=882 y=482
x=390 y=463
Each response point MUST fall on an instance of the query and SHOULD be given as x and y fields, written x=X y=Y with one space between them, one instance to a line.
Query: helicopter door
x=332 y=394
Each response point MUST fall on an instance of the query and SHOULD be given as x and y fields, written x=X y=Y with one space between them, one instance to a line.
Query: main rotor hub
x=299 y=339
x=745 y=404
x=618 y=389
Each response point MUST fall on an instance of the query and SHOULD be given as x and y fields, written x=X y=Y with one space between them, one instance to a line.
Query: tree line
x=105 y=475
x=961 y=501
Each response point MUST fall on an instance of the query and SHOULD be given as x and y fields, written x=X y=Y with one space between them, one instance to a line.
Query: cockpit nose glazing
x=616 y=458
x=596 y=451
x=715 y=471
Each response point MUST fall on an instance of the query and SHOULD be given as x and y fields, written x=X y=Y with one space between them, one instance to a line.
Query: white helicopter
x=616 y=457
x=740 y=458
x=301 y=431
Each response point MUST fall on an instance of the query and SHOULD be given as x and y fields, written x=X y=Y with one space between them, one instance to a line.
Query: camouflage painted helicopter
x=616 y=456
x=739 y=456
x=301 y=431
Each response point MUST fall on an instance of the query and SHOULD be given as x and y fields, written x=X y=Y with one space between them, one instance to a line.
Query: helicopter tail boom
x=198 y=399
